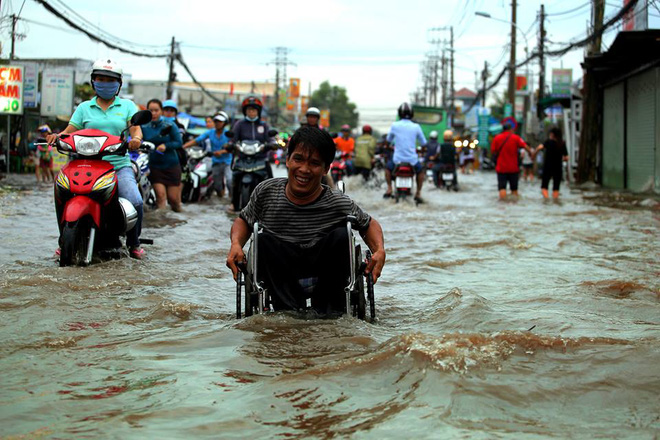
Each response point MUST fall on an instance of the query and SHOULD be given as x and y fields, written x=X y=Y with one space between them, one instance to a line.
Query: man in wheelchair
x=304 y=234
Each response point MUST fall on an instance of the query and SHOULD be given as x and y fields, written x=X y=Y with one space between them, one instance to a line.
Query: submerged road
x=530 y=319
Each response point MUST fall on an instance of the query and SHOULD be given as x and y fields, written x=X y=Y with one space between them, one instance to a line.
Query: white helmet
x=313 y=111
x=433 y=134
x=107 y=67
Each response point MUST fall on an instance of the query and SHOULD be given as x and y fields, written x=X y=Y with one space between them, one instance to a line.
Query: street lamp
x=512 y=62
x=487 y=15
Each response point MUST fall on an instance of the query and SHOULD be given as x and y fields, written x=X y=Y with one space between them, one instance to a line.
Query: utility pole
x=512 y=61
x=451 y=90
x=281 y=62
x=171 y=77
x=14 y=19
x=443 y=79
x=539 y=108
x=484 y=77
x=591 y=103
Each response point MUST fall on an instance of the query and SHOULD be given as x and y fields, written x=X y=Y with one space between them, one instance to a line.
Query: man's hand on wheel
x=375 y=265
x=235 y=256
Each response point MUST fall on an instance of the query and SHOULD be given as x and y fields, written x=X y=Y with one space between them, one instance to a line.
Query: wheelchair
x=257 y=299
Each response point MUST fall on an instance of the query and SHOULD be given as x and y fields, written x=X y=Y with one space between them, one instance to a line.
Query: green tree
x=334 y=98
x=497 y=110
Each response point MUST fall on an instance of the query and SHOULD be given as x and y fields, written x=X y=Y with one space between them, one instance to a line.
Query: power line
x=569 y=11
x=55 y=12
x=179 y=58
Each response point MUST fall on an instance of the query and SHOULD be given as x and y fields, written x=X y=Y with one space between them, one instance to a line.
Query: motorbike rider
x=112 y=114
x=346 y=145
x=313 y=116
x=250 y=128
x=221 y=157
x=165 y=175
x=365 y=151
x=304 y=233
x=445 y=158
x=405 y=133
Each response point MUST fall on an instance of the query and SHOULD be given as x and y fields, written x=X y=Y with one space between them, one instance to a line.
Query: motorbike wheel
x=74 y=242
x=185 y=192
x=244 y=196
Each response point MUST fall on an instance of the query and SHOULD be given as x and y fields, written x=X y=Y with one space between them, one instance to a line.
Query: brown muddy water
x=496 y=320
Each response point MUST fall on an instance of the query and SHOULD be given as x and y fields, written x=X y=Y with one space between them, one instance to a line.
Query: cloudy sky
x=371 y=47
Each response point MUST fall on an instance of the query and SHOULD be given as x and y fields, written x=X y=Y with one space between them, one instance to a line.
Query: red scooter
x=90 y=214
x=404 y=175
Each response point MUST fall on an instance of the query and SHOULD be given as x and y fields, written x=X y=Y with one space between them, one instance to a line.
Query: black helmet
x=252 y=101
x=405 y=111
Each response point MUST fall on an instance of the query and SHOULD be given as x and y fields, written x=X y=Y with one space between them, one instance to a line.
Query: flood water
x=495 y=320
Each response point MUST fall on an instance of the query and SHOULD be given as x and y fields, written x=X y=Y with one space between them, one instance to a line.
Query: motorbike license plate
x=447 y=176
x=404 y=182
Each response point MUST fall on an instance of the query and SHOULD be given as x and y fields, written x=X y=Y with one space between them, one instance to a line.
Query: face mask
x=168 y=118
x=106 y=90
x=252 y=119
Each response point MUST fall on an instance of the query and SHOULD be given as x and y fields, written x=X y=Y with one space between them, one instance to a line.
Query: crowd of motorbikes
x=92 y=216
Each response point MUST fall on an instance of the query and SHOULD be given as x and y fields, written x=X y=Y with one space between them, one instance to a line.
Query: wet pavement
x=511 y=319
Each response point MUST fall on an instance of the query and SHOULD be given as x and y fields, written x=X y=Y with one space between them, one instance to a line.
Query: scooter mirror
x=229 y=134
x=142 y=117
x=272 y=133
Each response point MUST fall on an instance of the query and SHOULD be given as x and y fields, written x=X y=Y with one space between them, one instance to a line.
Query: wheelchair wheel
x=358 y=301
x=250 y=297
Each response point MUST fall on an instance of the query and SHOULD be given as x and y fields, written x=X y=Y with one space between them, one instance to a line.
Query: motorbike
x=197 y=176
x=251 y=160
x=140 y=164
x=446 y=177
x=339 y=166
x=90 y=214
x=404 y=174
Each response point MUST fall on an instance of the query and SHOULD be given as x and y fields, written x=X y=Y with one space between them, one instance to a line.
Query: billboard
x=561 y=82
x=325 y=118
x=294 y=87
x=11 y=90
x=57 y=92
x=30 y=83
x=636 y=19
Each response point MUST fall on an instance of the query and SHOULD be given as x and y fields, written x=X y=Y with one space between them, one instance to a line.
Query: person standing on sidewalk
x=505 y=147
x=555 y=155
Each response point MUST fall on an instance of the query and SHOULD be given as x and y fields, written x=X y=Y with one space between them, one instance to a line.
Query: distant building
x=191 y=99
x=82 y=68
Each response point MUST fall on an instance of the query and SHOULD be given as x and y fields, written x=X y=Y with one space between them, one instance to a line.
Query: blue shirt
x=217 y=144
x=113 y=121
x=172 y=141
x=405 y=133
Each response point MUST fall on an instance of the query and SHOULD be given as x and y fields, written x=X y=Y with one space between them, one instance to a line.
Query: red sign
x=11 y=90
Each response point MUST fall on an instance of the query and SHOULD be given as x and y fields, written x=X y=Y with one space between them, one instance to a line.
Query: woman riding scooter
x=110 y=113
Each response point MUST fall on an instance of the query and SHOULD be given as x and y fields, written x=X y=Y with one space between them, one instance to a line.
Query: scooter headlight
x=88 y=146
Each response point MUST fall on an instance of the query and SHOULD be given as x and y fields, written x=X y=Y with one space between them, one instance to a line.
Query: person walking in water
x=506 y=146
x=555 y=155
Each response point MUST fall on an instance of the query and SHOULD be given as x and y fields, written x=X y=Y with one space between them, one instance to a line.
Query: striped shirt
x=304 y=225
